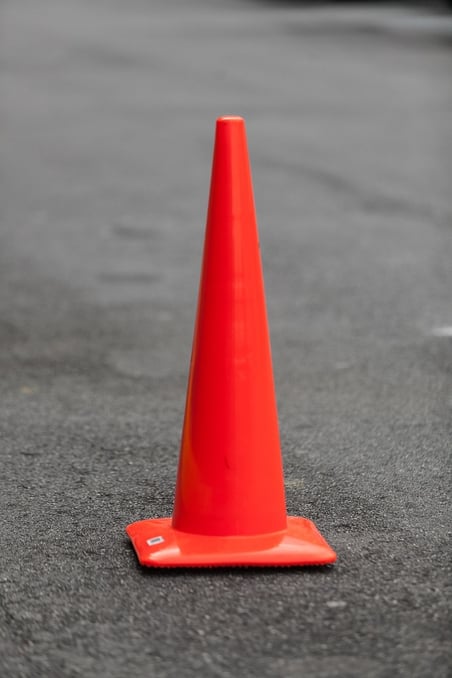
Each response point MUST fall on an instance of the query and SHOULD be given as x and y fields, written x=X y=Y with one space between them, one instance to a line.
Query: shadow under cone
x=230 y=503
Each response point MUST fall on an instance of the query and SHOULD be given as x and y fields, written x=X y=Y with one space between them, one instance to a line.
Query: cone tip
x=230 y=120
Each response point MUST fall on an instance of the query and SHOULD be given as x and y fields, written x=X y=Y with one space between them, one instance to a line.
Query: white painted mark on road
x=442 y=331
x=294 y=483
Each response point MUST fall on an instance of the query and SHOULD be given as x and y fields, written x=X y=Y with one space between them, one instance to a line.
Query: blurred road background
x=107 y=114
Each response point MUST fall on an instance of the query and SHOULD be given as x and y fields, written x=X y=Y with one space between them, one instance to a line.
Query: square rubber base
x=158 y=544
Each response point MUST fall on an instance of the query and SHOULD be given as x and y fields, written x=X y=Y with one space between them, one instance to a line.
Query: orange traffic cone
x=230 y=503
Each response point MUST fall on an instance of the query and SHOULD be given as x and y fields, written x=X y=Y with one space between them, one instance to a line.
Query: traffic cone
x=230 y=504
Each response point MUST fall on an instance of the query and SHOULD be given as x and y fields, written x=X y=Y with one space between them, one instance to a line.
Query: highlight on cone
x=229 y=506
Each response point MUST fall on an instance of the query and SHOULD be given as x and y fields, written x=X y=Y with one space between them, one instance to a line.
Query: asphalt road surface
x=107 y=114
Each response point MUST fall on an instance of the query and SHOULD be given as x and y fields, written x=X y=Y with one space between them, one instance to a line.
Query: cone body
x=230 y=479
x=229 y=506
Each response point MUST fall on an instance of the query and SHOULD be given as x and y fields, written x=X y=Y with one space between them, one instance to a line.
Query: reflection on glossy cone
x=230 y=505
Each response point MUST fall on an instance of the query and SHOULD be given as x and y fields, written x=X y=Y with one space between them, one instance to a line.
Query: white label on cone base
x=154 y=541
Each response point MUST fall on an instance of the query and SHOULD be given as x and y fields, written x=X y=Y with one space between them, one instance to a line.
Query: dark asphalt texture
x=107 y=114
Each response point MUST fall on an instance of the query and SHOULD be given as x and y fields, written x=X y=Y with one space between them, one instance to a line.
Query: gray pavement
x=107 y=114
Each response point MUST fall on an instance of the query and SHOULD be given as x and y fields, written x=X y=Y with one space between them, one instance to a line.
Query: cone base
x=158 y=544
